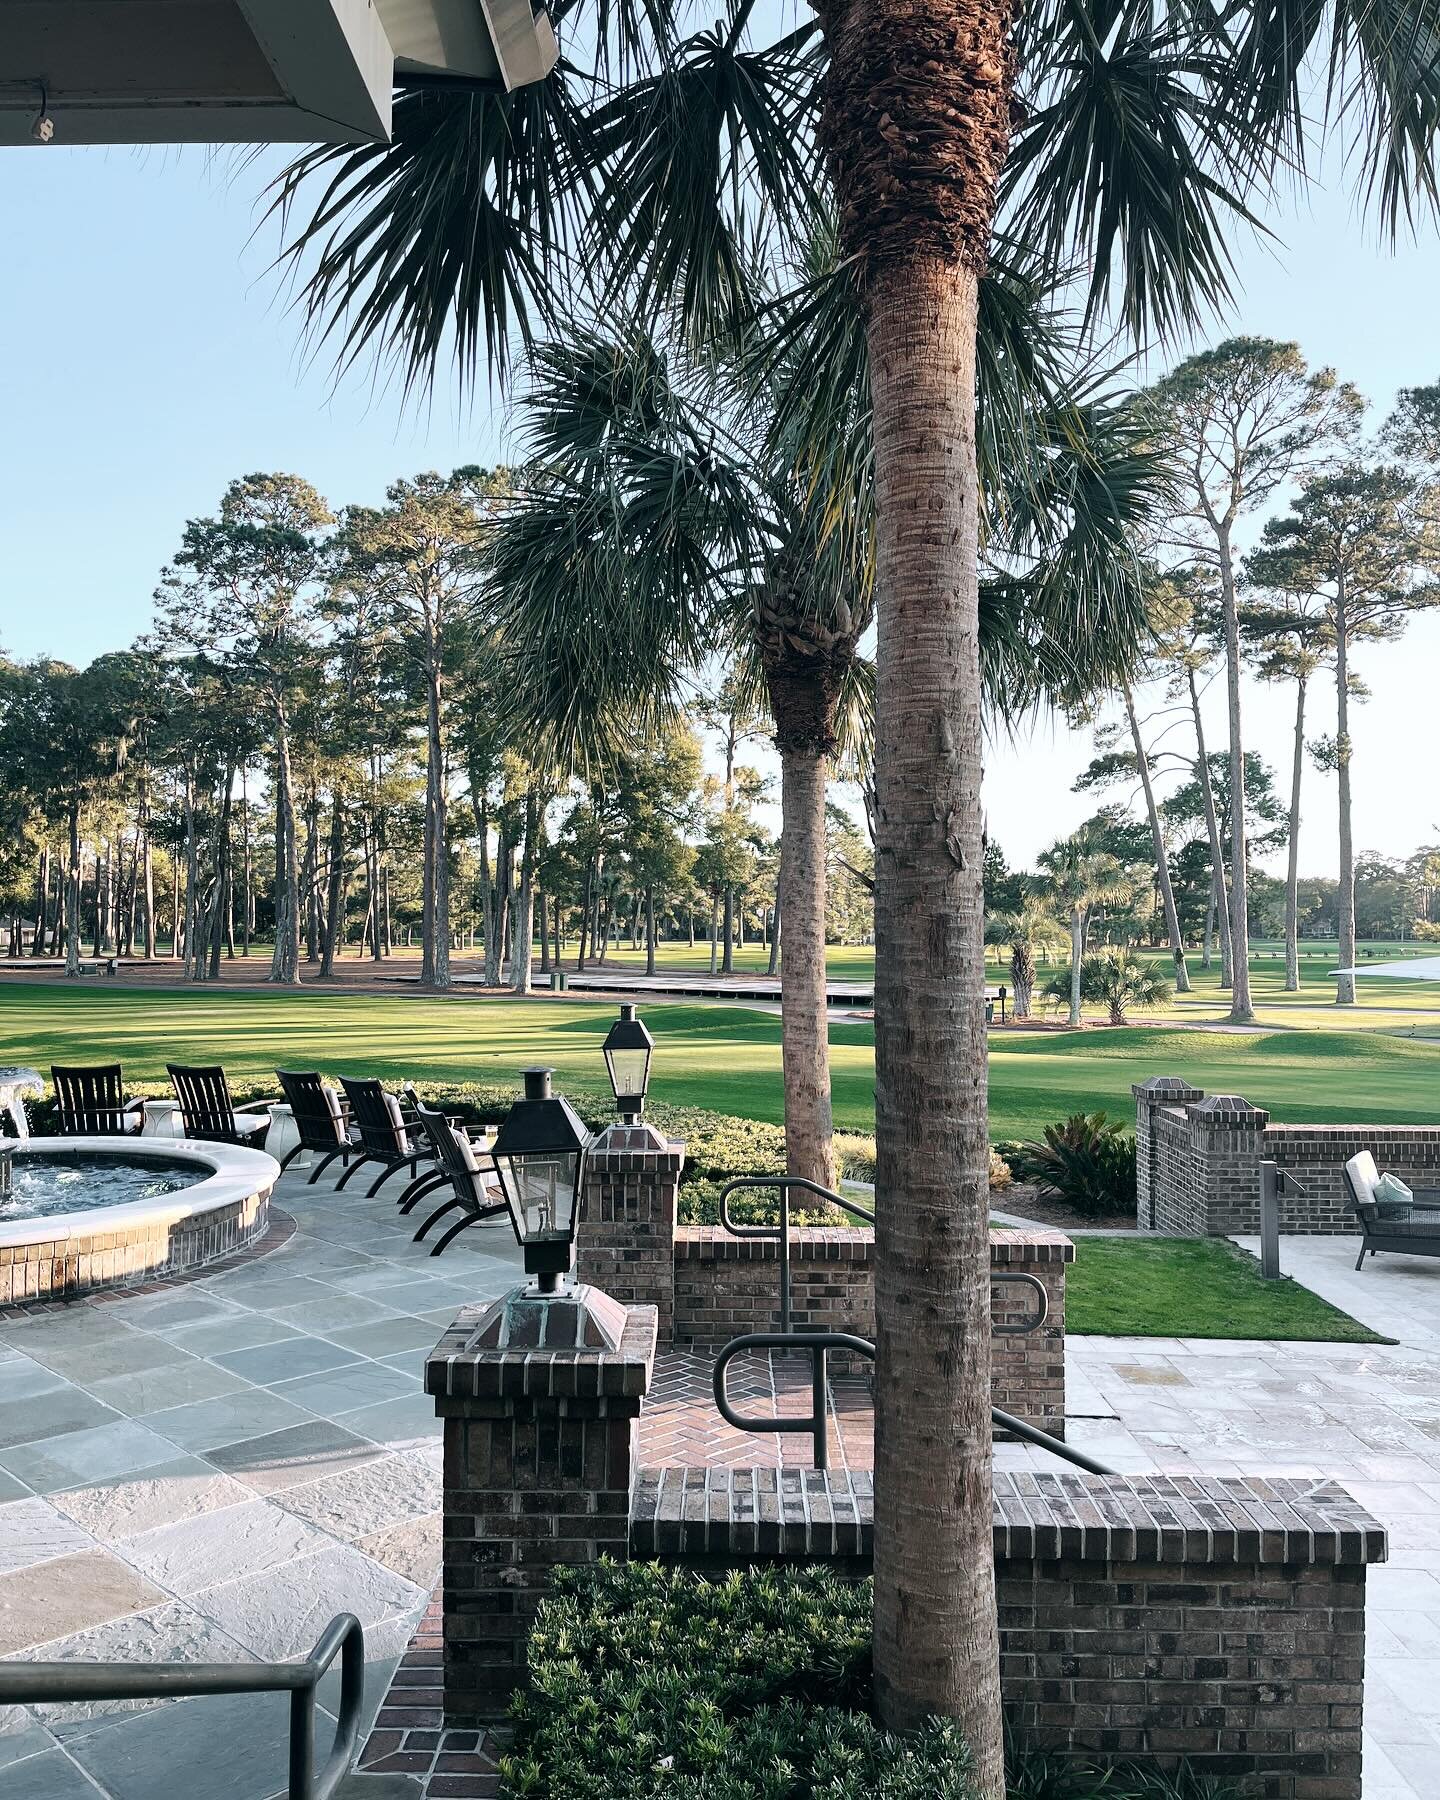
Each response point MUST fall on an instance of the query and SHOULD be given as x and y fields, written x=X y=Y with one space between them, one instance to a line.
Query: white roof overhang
x=247 y=71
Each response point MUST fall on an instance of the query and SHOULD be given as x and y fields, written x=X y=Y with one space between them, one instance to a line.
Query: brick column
x=539 y=1402
x=1227 y=1136
x=626 y=1238
x=1150 y=1096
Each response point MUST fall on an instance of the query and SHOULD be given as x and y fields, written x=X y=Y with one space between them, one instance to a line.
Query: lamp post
x=539 y=1153
x=628 y=1049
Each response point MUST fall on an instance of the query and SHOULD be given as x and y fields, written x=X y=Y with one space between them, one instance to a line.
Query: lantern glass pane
x=628 y=1070
x=541 y=1191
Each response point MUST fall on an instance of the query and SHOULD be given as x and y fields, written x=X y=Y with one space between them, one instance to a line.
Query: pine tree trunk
x=1345 y=894
x=804 y=1018
x=524 y=925
x=714 y=934
x=650 y=928
x=42 y=900
x=727 y=961
x=285 y=960
x=335 y=890
x=1157 y=836
x=1241 y=1010
x=775 y=918
x=1292 y=865
x=435 y=902
x=1212 y=831
x=72 y=895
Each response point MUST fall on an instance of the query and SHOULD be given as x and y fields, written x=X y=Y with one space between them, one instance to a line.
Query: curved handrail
x=819 y=1344
x=780 y=1233
x=36 y=1683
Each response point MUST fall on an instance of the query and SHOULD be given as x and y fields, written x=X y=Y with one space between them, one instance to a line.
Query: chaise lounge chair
x=1412 y=1230
x=90 y=1102
x=209 y=1114
x=469 y=1170
x=382 y=1134
x=319 y=1115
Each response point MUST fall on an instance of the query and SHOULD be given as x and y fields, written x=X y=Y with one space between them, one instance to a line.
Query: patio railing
x=818 y=1344
x=39 y=1684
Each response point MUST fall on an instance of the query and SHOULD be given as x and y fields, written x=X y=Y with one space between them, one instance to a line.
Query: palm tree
x=1032 y=932
x=1115 y=979
x=1081 y=878
x=1139 y=138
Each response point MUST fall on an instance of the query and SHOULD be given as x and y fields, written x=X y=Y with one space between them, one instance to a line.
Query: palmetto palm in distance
x=1141 y=132
x=1080 y=878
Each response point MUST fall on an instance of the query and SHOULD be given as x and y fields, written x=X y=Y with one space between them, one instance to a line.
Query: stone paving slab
x=365 y=1478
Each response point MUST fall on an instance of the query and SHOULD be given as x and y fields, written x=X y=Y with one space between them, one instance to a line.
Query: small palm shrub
x=1114 y=979
x=1085 y=1161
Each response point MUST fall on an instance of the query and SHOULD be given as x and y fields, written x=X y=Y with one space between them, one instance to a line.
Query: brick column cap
x=634 y=1149
x=455 y=1370
x=1166 y=1090
x=1227 y=1109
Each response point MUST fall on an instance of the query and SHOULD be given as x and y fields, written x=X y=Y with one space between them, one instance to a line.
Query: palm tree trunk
x=804 y=1018
x=1077 y=954
x=1022 y=978
x=1292 y=866
x=1241 y=1010
x=936 y=1639
x=1162 y=863
x=1345 y=896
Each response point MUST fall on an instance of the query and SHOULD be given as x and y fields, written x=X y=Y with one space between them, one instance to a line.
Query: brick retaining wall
x=1198 y=1159
x=1145 y=1617
x=725 y=1286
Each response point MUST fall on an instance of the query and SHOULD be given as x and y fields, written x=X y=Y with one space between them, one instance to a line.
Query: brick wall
x=1147 y=1618
x=1199 y=1163
x=627 y=1219
x=725 y=1286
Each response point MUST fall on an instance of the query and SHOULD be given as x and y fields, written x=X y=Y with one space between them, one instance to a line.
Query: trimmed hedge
x=647 y=1683
x=650 y=1684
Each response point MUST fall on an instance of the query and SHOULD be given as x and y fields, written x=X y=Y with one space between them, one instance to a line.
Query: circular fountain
x=79 y=1213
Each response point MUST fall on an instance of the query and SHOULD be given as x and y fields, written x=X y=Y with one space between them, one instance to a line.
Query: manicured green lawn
x=722 y=1057
x=1193 y=1287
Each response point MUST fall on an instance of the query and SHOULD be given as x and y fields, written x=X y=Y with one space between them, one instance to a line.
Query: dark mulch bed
x=1045 y=1209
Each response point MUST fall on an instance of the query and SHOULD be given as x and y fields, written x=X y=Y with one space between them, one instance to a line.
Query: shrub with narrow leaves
x=1085 y=1161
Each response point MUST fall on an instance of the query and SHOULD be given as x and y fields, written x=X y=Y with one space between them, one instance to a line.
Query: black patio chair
x=382 y=1134
x=1386 y=1226
x=90 y=1102
x=209 y=1114
x=319 y=1115
x=469 y=1171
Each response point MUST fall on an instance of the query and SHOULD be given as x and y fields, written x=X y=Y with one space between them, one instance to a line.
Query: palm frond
x=449 y=241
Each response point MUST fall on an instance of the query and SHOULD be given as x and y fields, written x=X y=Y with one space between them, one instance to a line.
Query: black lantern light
x=628 y=1048
x=539 y=1154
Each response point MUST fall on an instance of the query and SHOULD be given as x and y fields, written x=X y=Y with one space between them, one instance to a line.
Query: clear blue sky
x=149 y=356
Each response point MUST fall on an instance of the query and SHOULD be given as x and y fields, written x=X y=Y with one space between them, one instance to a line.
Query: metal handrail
x=32 y=1684
x=781 y=1235
x=819 y=1344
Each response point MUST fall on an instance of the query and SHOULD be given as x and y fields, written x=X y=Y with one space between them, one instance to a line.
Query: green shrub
x=650 y=1684
x=1085 y=1161
x=653 y=1684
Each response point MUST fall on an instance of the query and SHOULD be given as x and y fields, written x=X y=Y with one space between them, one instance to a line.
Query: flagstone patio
x=212 y=1468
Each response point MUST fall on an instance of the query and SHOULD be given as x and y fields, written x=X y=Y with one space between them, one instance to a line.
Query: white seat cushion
x=466 y=1149
x=397 y=1118
x=1363 y=1176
